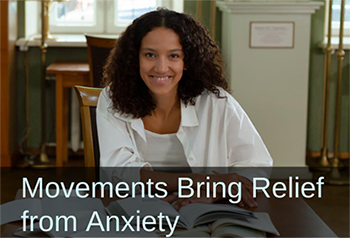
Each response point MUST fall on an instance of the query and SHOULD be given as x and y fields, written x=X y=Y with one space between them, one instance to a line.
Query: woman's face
x=161 y=61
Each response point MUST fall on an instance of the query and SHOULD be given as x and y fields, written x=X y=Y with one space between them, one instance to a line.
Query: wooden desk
x=292 y=218
x=67 y=75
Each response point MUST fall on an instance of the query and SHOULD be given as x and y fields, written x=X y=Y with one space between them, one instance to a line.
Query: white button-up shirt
x=213 y=132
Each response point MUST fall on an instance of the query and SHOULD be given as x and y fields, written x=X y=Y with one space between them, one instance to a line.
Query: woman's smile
x=161 y=79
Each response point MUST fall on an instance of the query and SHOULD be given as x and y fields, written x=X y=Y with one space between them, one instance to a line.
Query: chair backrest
x=98 y=52
x=88 y=98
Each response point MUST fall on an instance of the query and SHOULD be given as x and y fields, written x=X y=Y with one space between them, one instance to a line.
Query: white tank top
x=164 y=150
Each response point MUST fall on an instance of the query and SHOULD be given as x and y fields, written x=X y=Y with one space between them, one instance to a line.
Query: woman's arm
x=247 y=153
x=117 y=149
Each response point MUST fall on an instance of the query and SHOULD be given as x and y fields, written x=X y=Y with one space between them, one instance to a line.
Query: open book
x=198 y=219
x=228 y=227
x=91 y=218
x=85 y=217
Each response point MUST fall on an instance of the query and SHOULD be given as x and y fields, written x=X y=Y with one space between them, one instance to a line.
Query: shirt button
x=191 y=158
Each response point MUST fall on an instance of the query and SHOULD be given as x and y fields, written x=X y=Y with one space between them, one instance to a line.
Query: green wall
x=34 y=55
x=80 y=54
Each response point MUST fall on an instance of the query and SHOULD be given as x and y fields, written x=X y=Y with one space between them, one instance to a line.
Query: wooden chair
x=88 y=98
x=98 y=52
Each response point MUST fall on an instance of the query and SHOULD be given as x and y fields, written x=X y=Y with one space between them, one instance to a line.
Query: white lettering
x=319 y=184
x=82 y=187
x=67 y=194
x=118 y=189
x=233 y=195
x=56 y=190
x=180 y=187
x=98 y=223
x=110 y=188
x=145 y=223
x=304 y=189
x=165 y=192
x=74 y=220
x=255 y=187
x=38 y=185
x=49 y=223
x=276 y=189
x=172 y=228
x=24 y=218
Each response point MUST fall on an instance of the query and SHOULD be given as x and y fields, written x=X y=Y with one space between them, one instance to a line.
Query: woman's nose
x=161 y=65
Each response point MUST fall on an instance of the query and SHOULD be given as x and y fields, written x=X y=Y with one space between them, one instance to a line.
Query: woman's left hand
x=180 y=202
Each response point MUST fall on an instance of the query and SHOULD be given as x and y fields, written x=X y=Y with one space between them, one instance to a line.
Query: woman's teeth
x=161 y=78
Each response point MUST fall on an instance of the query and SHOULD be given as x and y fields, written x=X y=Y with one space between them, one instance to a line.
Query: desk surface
x=292 y=218
x=68 y=67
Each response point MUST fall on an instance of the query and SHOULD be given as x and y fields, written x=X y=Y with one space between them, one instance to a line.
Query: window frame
x=96 y=28
x=111 y=27
x=336 y=24
x=104 y=18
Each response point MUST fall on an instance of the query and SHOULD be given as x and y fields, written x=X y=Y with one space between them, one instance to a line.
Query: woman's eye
x=174 y=56
x=150 y=55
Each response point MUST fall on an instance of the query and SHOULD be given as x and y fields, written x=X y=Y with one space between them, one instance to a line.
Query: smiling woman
x=166 y=104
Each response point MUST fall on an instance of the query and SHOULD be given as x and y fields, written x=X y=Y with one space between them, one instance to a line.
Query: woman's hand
x=246 y=196
x=180 y=202
x=246 y=193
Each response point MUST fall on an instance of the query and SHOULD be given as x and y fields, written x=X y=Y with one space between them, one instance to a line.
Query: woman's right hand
x=246 y=188
x=245 y=197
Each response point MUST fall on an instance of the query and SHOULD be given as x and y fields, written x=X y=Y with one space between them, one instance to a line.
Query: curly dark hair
x=202 y=60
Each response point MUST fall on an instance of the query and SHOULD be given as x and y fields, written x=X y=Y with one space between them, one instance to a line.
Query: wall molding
x=51 y=151
x=314 y=155
x=269 y=7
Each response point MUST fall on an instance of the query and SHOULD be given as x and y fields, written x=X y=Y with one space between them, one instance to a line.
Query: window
x=101 y=16
x=91 y=16
x=336 y=18
x=75 y=16
x=126 y=11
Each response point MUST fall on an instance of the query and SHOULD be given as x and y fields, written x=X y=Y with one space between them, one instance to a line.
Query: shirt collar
x=124 y=116
x=188 y=115
x=136 y=123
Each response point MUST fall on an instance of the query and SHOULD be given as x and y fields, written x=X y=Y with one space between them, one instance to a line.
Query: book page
x=237 y=231
x=193 y=212
x=80 y=209
x=263 y=223
x=96 y=232
x=12 y=211
x=198 y=231
x=147 y=206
